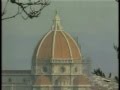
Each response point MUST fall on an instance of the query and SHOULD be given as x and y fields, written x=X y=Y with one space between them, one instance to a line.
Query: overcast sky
x=95 y=23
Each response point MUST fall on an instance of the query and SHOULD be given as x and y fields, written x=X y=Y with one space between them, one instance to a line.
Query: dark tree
x=31 y=8
x=98 y=72
x=109 y=75
x=117 y=0
x=117 y=79
x=117 y=50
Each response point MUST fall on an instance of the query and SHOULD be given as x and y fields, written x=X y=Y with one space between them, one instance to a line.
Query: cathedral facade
x=56 y=65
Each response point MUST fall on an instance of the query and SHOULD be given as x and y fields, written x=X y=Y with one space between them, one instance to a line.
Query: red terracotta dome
x=58 y=45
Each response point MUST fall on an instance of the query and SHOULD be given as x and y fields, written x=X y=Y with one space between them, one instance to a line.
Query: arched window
x=45 y=69
x=62 y=69
x=9 y=80
x=24 y=80
x=76 y=69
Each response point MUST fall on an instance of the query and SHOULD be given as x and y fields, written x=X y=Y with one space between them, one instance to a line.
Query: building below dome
x=57 y=64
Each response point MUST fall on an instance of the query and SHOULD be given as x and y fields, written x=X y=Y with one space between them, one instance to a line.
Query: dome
x=58 y=44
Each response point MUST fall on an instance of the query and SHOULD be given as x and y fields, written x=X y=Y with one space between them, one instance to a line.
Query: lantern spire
x=56 y=22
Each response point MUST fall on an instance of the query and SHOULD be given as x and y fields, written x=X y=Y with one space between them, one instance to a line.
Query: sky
x=95 y=23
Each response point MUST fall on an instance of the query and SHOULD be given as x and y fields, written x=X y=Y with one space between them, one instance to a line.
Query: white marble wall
x=16 y=82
